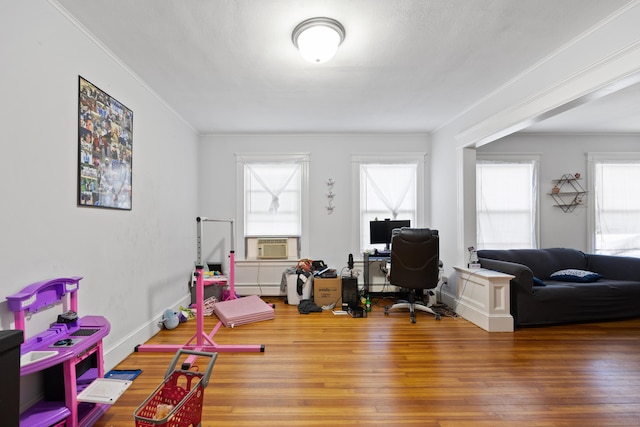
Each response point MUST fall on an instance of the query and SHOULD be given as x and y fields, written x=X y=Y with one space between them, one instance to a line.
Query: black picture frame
x=105 y=149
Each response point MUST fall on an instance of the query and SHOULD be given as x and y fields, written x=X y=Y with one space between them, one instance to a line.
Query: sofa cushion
x=542 y=262
x=575 y=275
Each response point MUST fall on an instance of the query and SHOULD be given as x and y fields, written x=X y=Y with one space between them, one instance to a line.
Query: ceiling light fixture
x=318 y=39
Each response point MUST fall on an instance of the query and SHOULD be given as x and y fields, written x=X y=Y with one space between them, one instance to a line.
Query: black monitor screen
x=380 y=231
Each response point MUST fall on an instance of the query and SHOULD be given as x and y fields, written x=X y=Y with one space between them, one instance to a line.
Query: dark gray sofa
x=615 y=295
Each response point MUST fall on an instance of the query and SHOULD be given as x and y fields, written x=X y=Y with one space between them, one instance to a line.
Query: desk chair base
x=412 y=306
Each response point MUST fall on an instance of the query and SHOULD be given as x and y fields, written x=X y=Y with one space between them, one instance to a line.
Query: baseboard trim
x=123 y=348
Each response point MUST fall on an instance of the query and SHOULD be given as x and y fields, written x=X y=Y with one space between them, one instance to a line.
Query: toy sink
x=35 y=356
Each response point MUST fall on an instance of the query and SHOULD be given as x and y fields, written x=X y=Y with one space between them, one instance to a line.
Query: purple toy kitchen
x=68 y=354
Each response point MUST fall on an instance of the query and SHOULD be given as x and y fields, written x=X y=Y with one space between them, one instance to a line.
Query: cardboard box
x=327 y=292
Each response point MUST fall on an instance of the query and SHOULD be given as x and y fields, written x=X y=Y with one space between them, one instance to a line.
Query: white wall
x=559 y=155
x=330 y=236
x=135 y=263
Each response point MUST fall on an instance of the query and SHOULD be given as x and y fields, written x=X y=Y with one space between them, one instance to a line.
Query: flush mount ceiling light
x=318 y=39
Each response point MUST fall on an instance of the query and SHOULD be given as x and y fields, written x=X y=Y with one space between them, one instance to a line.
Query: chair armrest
x=615 y=267
x=523 y=279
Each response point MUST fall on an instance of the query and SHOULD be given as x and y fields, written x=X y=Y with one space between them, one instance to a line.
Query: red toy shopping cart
x=177 y=402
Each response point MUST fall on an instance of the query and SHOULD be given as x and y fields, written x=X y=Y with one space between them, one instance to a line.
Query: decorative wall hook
x=330 y=195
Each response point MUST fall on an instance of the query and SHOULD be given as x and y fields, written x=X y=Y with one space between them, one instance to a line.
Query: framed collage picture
x=105 y=149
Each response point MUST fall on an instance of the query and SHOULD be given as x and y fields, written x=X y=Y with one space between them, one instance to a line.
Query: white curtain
x=273 y=194
x=506 y=200
x=386 y=191
x=276 y=187
x=617 y=207
x=390 y=185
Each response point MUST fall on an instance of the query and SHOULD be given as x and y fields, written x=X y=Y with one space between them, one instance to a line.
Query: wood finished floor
x=320 y=369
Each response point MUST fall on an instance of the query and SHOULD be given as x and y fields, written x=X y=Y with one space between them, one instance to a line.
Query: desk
x=368 y=260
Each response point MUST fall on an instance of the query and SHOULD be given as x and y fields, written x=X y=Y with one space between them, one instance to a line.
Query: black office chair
x=415 y=265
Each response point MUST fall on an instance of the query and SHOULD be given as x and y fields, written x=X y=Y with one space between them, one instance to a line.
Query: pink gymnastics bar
x=202 y=341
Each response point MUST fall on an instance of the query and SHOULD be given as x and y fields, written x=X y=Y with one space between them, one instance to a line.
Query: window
x=388 y=187
x=506 y=202
x=273 y=189
x=616 y=204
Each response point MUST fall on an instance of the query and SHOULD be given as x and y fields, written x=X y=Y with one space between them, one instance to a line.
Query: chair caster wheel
x=438 y=317
x=386 y=312
x=413 y=320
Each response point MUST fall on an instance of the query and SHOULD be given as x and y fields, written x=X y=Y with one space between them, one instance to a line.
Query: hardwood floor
x=320 y=369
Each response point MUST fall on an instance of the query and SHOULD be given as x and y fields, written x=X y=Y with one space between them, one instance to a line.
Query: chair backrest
x=415 y=258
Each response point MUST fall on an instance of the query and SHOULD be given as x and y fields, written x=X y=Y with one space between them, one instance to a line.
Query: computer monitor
x=380 y=231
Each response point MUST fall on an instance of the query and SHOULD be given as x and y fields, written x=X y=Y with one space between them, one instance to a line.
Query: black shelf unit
x=568 y=193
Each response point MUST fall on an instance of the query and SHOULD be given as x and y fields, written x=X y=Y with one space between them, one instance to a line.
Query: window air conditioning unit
x=273 y=248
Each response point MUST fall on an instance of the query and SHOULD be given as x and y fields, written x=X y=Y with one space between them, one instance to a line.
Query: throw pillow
x=574 y=275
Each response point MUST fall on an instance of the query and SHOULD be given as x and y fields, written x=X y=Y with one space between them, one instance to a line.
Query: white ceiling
x=617 y=112
x=229 y=66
